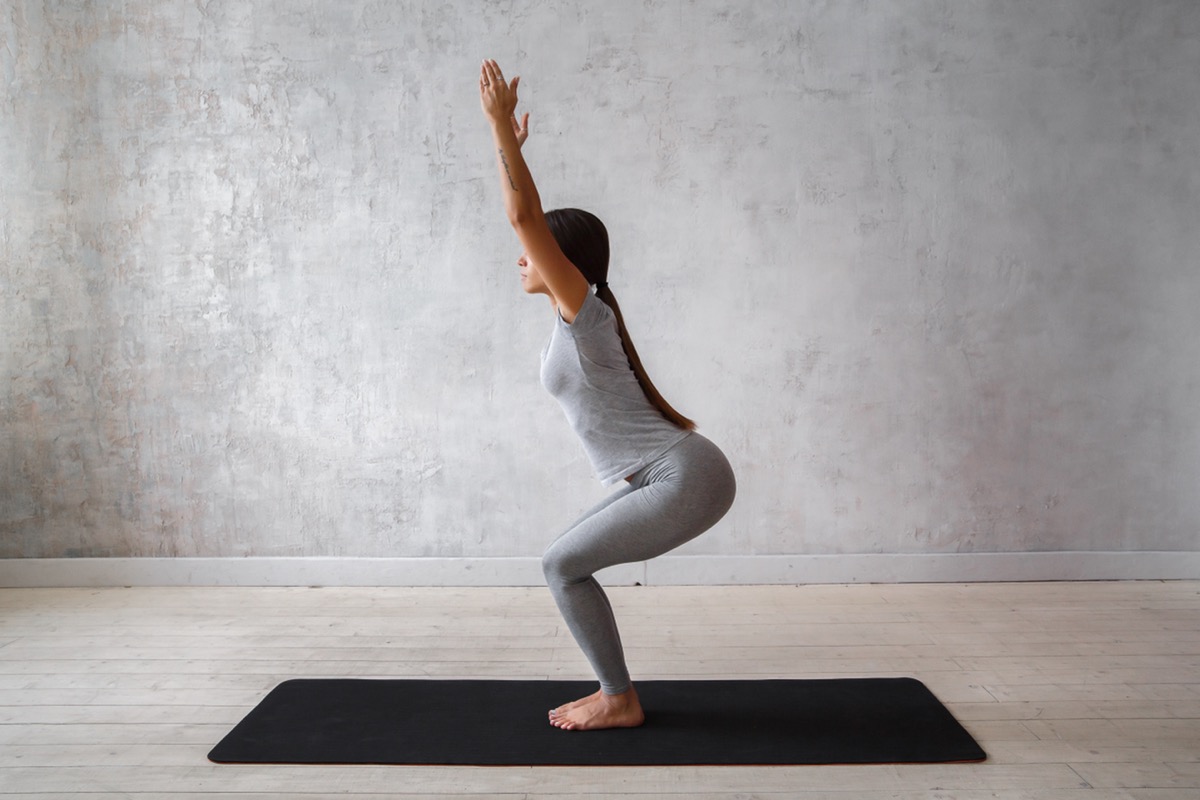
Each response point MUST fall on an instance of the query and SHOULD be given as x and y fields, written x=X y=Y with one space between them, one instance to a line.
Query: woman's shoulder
x=593 y=315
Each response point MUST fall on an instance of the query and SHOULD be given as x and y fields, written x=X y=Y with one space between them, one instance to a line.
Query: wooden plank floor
x=1076 y=690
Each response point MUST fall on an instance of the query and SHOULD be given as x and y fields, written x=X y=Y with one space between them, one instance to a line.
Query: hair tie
x=601 y=285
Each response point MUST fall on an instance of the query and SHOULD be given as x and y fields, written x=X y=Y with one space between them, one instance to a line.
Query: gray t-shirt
x=585 y=368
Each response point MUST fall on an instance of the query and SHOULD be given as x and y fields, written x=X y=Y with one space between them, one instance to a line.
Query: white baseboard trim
x=664 y=571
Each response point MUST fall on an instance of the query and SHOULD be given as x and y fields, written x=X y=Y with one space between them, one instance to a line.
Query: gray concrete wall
x=927 y=270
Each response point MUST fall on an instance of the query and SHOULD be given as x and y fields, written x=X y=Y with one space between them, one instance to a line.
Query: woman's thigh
x=675 y=501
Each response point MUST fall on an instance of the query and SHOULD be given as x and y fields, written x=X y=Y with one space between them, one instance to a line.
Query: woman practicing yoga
x=678 y=484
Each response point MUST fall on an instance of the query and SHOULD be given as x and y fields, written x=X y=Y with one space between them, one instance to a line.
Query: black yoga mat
x=496 y=722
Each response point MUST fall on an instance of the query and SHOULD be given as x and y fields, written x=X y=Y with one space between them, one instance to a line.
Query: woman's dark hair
x=584 y=241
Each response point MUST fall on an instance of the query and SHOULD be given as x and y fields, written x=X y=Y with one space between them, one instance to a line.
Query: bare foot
x=600 y=711
x=554 y=712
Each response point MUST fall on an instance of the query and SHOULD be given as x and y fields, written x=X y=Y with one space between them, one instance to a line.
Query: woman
x=677 y=483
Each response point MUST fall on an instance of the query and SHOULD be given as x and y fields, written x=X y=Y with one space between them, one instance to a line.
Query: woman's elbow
x=519 y=216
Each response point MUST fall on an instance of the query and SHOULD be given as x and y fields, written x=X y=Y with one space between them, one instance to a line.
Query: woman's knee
x=550 y=564
x=561 y=564
x=555 y=564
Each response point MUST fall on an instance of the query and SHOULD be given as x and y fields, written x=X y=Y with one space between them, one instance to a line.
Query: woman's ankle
x=620 y=698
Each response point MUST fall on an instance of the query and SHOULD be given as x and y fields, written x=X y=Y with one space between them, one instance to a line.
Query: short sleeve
x=592 y=314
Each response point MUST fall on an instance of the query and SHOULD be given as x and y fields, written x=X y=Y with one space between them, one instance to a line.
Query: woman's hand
x=498 y=99
x=521 y=129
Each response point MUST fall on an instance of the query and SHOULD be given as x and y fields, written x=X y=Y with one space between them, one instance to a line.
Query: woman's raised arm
x=521 y=201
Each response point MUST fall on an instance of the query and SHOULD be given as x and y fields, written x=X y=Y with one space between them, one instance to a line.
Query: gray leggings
x=674 y=499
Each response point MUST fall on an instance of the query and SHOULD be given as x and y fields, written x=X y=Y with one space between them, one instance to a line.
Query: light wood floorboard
x=1078 y=691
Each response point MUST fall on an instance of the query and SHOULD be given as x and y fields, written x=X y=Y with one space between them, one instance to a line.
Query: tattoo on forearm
x=507 y=171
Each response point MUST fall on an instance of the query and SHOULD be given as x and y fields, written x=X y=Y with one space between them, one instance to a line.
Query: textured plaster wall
x=927 y=270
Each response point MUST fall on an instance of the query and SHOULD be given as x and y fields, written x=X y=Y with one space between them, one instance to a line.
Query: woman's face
x=531 y=281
